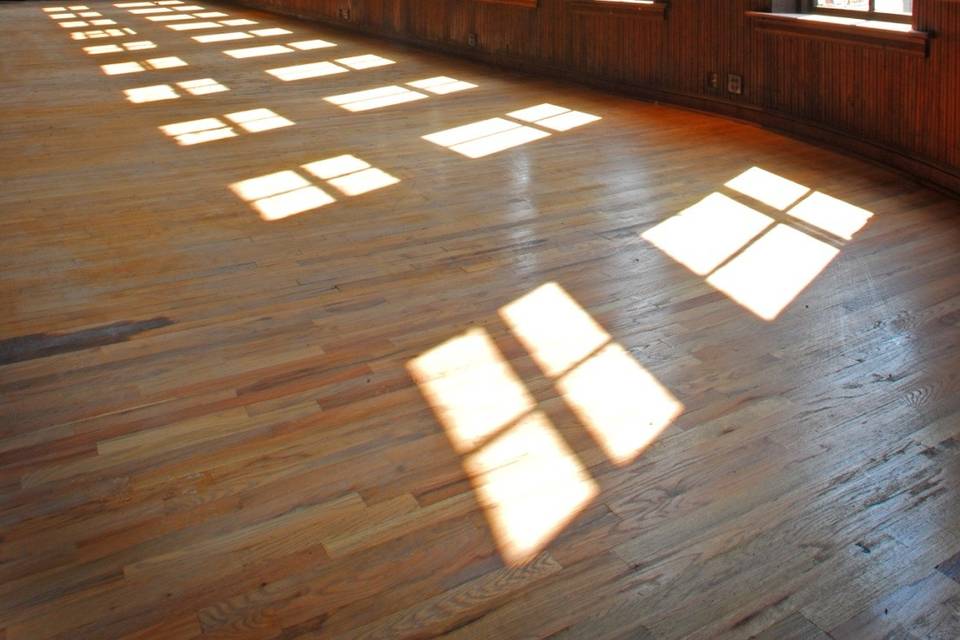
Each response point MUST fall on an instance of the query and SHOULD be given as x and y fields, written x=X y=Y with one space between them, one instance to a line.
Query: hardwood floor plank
x=215 y=425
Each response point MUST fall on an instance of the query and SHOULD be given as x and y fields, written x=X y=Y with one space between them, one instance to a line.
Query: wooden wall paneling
x=887 y=104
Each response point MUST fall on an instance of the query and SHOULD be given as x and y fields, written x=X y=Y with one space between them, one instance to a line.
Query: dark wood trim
x=614 y=7
x=527 y=4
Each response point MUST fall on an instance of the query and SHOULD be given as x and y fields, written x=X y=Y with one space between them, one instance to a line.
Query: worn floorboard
x=310 y=335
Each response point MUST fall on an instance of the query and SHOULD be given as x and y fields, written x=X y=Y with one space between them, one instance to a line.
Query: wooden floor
x=484 y=384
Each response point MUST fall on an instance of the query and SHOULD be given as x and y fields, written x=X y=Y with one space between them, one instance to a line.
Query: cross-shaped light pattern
x=484 y=138
x=387 y=96
x=286 y=193
x=763 y=261
x=527 y=478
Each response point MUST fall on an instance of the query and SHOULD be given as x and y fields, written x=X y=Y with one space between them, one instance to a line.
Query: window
x=887 y=24
x=891 y=10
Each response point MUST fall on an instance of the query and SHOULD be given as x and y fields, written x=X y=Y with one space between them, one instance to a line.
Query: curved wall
x=875 y=100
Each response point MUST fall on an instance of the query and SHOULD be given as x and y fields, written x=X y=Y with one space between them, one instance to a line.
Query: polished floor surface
x=311 y=335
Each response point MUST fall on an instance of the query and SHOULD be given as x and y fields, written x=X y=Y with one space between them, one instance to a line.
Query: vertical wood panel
x=903 y=104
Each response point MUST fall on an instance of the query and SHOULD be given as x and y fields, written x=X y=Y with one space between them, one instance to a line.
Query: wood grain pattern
x=894 y=107
x=231 y=428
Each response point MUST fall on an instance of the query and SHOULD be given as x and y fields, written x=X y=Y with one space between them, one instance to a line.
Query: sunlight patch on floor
x=762 y=261
x=487 y=137
x=102 y=33
x=529 y=481
x=119 y=48
x=283 y=194
x=368 y=61
x=210 y=129
x=119 y=68
x=394 y=94
x=304 y=71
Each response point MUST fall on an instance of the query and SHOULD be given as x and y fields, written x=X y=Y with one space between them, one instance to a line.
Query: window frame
x=639 y=8
x=810 y=6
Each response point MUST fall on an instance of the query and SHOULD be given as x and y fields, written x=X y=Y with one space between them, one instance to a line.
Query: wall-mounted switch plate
x=735 y=84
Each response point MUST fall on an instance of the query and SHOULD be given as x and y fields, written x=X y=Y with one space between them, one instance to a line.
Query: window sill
x=886 y=35
x=620 y=7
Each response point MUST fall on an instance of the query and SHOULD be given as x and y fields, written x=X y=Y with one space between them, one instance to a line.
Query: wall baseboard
x=941 y=178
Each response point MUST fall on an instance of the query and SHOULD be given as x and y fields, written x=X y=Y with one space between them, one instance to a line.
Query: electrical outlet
x=735 y=84
x=472 y=40
x=713 y=80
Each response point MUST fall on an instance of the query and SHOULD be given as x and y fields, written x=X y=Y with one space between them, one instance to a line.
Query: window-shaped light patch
x=703 y=236
x=90 y=14
x=441 y=85
x=241 y=35
x=209 y=129
x=238 y=22
x=54 y=9
x=280 y=195
x=177 y=17
x=256 y=52
x=769 y=188
x=486 y=137
x=368 y=61
x=554 y=329
x=153 y=93
x=529 y=482
x=198 y=131
x=770 y=273
x=120 y=68
x=194 y=26
x=102 y=22
x=272 y=31
x=829 y=214
x=304 y=71
x=552 y=117
x=375 y=98
x=391 y=95
x=62 y=16
x=102 y=33
x=74 y=24
x=210 y=14
x=288 y=193
x=471 y=388
x=222 y=37
x=531 y=485
x=119 y=48
x=350 y=175
x=150 y=10
x=257 y=120
x=622 y=405
x=761 y=266
x=310 y=45
x=202 y=86
x=134 y=5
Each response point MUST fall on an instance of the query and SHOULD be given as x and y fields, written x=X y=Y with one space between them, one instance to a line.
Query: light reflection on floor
x=283 y=194
x=528 y=479
x=487 y=137
x=763 y=261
